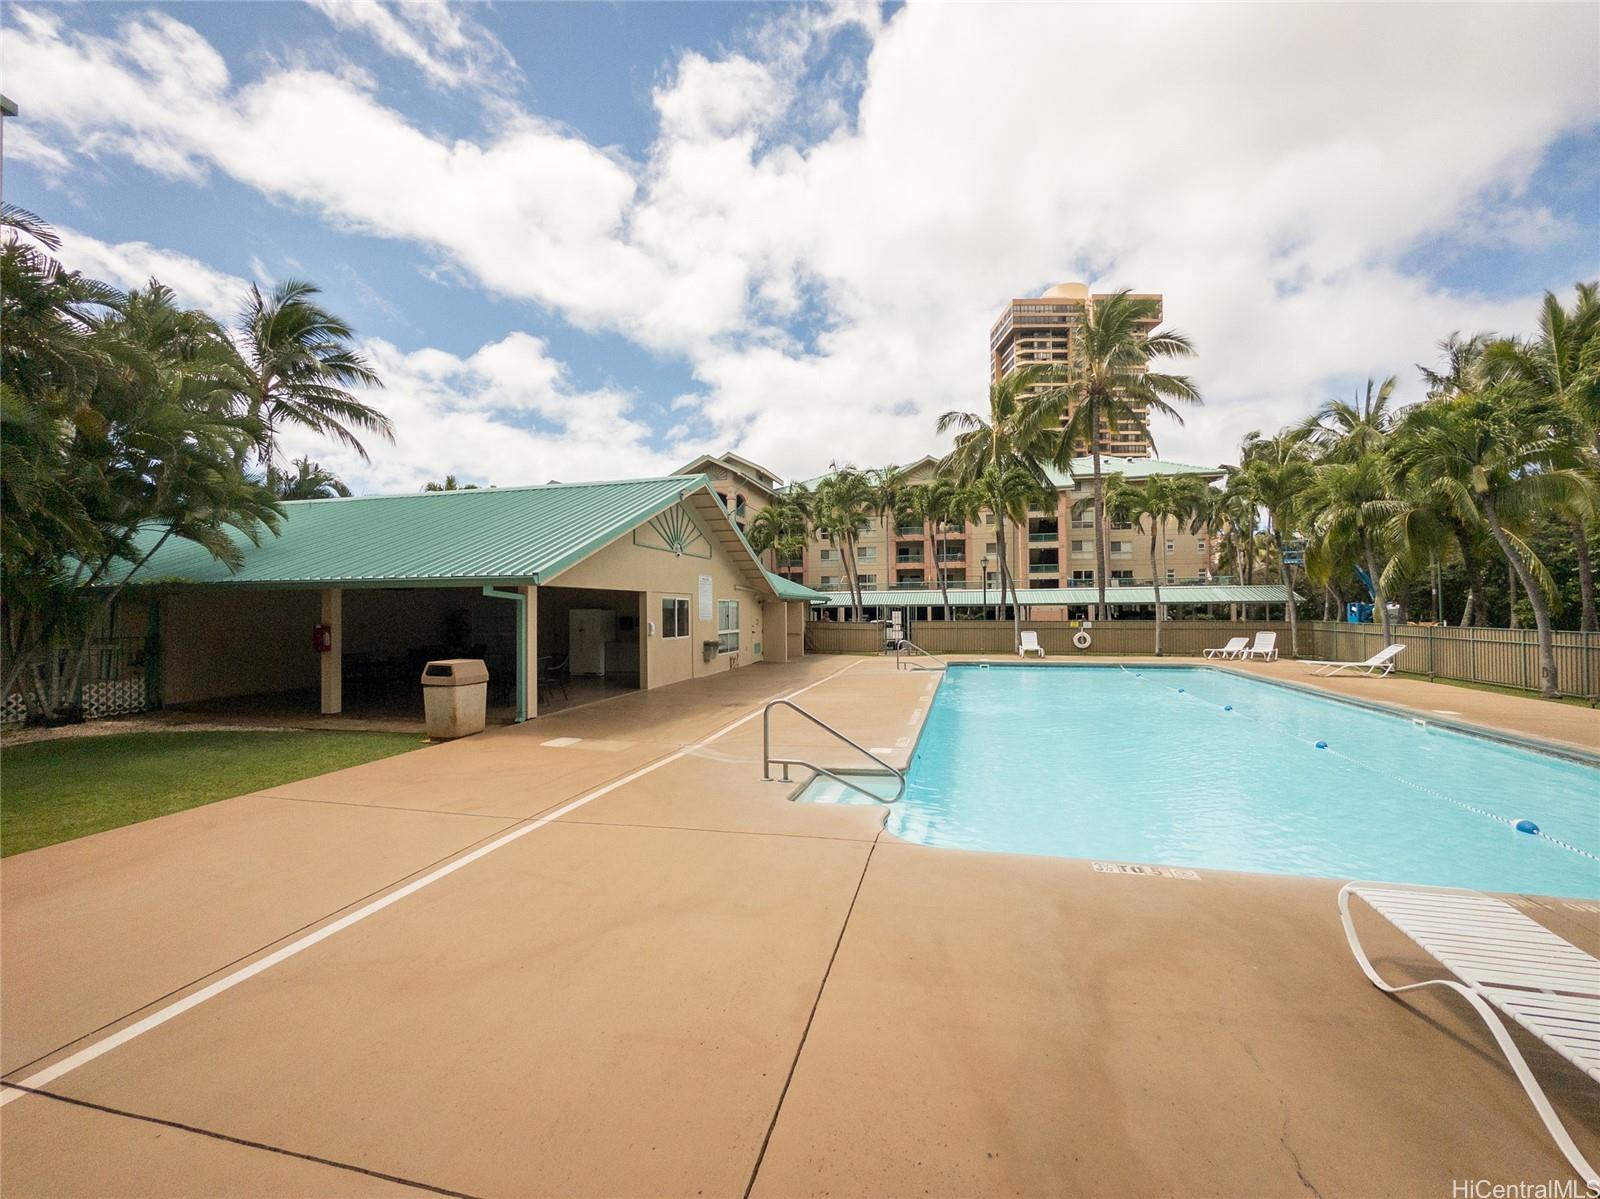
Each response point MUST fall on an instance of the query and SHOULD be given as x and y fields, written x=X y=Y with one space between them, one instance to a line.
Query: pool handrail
x=904 y=644
x=768 y=761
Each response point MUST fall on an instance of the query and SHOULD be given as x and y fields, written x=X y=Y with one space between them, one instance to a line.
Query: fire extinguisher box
x=455 y=693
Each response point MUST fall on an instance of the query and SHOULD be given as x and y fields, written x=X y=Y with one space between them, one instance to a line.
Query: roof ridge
x=687 y=480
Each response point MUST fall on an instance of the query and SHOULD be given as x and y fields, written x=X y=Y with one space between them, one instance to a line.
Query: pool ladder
x=909 y=650
x=768 y=761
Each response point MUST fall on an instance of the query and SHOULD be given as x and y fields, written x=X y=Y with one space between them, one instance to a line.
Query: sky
x=593 y=240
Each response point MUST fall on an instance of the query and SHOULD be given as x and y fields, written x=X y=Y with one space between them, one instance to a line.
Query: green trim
x=522 y=644
x=678 y=531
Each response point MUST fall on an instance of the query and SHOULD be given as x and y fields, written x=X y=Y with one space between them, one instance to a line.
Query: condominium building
x=1043 y=330
x=1051 y=556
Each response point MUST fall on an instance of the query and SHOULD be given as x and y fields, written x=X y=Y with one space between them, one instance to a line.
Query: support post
x=528 y=653
x=332 y=660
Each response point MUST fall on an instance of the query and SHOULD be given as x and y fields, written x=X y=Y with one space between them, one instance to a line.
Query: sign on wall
x=705 y=597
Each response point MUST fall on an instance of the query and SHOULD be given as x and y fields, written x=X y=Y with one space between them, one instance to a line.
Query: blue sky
x=593 y=239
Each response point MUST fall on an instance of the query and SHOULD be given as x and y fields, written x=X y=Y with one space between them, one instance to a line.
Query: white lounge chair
x=1380 y=664
x=1503 y=958
x=1029 y=644
x=1234 y=648
x=1265 y=648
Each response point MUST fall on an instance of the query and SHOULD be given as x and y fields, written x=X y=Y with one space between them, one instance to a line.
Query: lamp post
x=984 y=566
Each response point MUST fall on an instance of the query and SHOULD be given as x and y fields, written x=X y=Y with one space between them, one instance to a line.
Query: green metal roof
x=787 y=589
x=492 y=534
x=1177 y=593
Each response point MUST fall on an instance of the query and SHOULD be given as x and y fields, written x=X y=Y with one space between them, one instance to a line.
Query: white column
x=528 y=642
x=333 y=660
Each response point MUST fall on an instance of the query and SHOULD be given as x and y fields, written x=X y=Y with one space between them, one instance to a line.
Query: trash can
x=454 y=694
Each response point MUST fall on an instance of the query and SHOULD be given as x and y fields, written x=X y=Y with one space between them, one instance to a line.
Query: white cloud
x=131 y=264
x=505 y=414
x=1267 y=168
x=450 y=49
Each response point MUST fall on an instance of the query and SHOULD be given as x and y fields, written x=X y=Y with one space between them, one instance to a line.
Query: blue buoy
x=1227 y=707
x=1180 y=690
x=1322 y=745
x=1527 y=826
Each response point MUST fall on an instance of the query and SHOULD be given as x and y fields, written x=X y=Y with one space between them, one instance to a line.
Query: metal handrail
x=902 y=645
x=768 y=761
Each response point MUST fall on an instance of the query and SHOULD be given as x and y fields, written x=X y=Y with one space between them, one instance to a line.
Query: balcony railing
x=913 y=559
x=1045 y=535
x=1044 y=568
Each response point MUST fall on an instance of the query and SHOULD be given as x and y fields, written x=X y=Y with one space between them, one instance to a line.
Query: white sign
x=706 y=612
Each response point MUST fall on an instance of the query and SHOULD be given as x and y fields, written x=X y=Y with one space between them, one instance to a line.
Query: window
x=674 y=617
x=1122 y=547
x=1083 y=576
x=992 y=549
x=1171 y=575
x=727 y=626
x=1081 y=547
x=826 y=555
x=867 y=553
x=1200 y=545
x=829 y=581
x=1122 y=574
x=867 y=580
x=1169 y=547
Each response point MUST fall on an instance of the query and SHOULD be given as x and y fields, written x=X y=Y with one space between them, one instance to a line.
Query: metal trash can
x=455 y=692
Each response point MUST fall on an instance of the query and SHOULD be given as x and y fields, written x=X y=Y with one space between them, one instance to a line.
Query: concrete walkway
x=595 y=955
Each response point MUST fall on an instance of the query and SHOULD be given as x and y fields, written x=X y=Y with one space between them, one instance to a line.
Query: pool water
x=1203 y=768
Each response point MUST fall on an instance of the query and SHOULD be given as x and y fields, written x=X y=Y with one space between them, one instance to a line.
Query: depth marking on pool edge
x=83 y=1057
x=1145 y=871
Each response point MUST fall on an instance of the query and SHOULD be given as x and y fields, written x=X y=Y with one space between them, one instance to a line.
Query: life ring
x=1082 y=640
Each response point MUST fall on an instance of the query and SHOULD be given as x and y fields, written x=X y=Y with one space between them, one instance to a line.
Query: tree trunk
x=1155 y=580
x=1378 y=597
x=1511 y=593
x=1099 y=518
x=1000 y=563
x=938 y=567
x=1288 y=594
x=1536 y=598
x=1580 y=544
x=848 y=558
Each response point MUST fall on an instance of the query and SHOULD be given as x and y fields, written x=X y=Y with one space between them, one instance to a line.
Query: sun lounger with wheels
x=1265 y=648
x=1234 y=648
x=1029 y=644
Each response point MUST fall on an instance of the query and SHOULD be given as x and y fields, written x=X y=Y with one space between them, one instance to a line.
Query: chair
x=1234 y=649
x=1504 y=959
x=554 y=676
x=1029 y=644
x=1380 y=664
x=1265 y=648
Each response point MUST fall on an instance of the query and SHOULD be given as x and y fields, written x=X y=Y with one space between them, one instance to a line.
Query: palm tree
x=1107 y=383
x=451 y=483
x=1342 y=431
x=1353 y=504
x=930 y=505
x=1275 y=475
x=780 y=527
x=1493 y=456
x=1009 y=491
x=1015 y=433
x=294 y=365
x=841 y=505
x=310 y=481
x=1562 y=365
x=1162 y=501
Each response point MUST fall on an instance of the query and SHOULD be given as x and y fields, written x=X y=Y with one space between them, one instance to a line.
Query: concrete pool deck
x=685 y=984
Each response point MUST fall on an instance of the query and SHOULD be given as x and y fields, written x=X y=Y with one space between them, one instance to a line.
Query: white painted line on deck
x=227 y=982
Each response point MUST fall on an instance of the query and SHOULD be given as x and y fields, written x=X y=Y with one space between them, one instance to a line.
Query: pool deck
x=622 y=965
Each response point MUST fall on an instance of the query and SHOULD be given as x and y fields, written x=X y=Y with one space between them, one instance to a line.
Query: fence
x=1128 y=637
x=116 y=679
x=1503 y=657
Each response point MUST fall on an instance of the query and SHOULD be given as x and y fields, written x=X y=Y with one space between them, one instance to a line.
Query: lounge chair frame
x=1380 y=665
x=1504 y=960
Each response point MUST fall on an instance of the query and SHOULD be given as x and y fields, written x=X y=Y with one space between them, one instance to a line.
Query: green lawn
x=56 y=790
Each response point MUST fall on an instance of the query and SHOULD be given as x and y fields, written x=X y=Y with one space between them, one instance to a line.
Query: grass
x=71 y=787
x=1576 y=701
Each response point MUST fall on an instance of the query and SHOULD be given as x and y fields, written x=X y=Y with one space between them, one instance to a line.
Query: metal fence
x=1502 y=657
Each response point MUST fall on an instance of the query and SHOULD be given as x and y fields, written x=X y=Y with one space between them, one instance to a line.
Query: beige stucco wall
x=236 y=642
x=624 y=566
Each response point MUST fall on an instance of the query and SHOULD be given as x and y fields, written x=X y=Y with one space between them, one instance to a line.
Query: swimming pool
x=1204 y=768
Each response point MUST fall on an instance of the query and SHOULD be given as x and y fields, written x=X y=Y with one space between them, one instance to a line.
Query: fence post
x=1430 y=653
